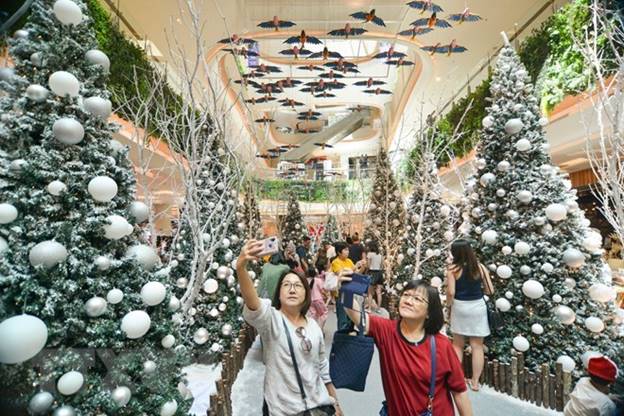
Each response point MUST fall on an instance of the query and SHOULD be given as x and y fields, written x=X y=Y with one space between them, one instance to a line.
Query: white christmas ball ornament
x=487 y=122
x=226 y=330
x=525 y=270
x=500 y=193
x=68 y=130
x=149 y=367
x=525 y=197
x=506 y=250
x=513 y=126
x=140 y=211
x=448 y=235
x=537 y=329
x=211 y=286
x=182 y=282
x=37 y=93
x=95 y=306
x=64 y=411
x=567 y=363
x=509 y=295
x=600 y=292
x=21 y=338
x=153 y=293
x=222 y=272
x=520 y=343
x=67 y=12
x=63 y=83
x=522 y=145
x=543 y=121
x=521 y=248
x=503 y=271
x=594 y=324
x=8 y=213
x=169 y=408
x=56 y=188
x=174 y=304
x=102 y=263
x=502 y=304
x=70 y=383
x=145 y=255
x=557 y=298
x=592 y=241
x=588 y=355
x=565 y=315
x=533 y=289
x=573 y=258
x=114 y=296
x=569 y=283
x=4 y=246
x=556 y=212
x=489 y=236
x=445 y=210
x=436 y=282
x=98 y=107
x=47 y=253
x=547 y=268
x=97 y=57
x=41 y=403
x=121 y=395
x=503 y=166
x=102 y=188
x=487 y=178
x=117 y=227
x=168 y=341
x=135 y=324
x=200 y=336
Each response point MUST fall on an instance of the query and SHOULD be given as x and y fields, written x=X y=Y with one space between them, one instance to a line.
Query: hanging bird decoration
x=331 y=75
x=311 y=67
x=240 y=52
x=369 y=83
x=368 y=17
x=347 y=31
x=276 y=24
x=289 y=102
x=325 y=54
x=308 y=115
x=295 y=51
x=323 y=146
x=399 y=62
x=306 y=130
x=266 y=89
x=425 y=6
x=390 y=53
x=289 y=146
x=252 y=74
x=415 y=31
x=265 y=69
x=303 y=38
x=261 y=100
x=265 y=120
x=377 y=91
x=288 y=82
x=449 y=49
x=266 y=155
x=432 y=21
x=325 y=94
x=465 y=16
x=247 y=82
x=237 y=40
x=342 y=65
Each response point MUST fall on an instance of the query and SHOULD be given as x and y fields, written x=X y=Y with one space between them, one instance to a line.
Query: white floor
x=247 y=391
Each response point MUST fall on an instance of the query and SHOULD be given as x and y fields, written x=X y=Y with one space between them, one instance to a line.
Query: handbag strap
x=362 y=324
x=294 y=360
x=433 y=373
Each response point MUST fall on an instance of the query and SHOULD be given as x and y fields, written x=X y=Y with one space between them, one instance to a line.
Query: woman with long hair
x=409 y=348
x=467 y=281
x=296 y=380
x=374 y=262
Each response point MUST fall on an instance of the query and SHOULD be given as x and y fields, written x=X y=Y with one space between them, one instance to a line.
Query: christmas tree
x=251 y=224
x=331 y=232
x=429 y=224
x=292 y=226
x=385 y=222
x=73 y=276
x=528 y=229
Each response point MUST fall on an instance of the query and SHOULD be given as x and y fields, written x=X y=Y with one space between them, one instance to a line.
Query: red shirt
x=406 y=370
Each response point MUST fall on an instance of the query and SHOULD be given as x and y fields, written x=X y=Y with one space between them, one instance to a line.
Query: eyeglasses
x=306 y=344
x=297 y=285
x=415 y=298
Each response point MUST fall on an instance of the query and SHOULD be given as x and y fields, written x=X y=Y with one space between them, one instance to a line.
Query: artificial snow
x=201 y=381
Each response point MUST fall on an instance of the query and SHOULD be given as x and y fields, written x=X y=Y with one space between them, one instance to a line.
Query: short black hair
x=435 y=321
x=599 y=381
x=340 y=246
x=306 y=238
x=277 y=304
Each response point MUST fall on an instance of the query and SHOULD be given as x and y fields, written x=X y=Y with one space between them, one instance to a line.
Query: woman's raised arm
x=249 y=252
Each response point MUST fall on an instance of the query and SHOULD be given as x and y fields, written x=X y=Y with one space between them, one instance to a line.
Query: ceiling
x=417 y=90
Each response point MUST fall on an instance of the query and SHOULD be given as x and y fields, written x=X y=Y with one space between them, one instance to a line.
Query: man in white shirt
x=590 y=395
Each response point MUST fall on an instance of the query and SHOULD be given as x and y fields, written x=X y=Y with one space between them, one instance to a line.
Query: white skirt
x=469 y=318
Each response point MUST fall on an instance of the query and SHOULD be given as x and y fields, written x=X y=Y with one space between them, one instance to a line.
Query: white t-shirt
x=374 y=261
x=586 y=400
x=281 y=390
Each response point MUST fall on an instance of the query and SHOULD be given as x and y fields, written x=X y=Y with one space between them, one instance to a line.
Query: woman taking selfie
x=465 y=280
x=405 y=353
x=296 y=381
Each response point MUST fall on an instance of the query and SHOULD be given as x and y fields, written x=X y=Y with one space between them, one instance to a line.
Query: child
x=318 y=309
x=589 y=396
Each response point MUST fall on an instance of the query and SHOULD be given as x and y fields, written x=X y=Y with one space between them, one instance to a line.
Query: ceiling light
x=438 y=79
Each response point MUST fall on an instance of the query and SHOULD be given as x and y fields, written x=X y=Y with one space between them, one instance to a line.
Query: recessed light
x=438 y=79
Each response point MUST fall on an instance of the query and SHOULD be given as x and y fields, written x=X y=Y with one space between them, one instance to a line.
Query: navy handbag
x=350 y=357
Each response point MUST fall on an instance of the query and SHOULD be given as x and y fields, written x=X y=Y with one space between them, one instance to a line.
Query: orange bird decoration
x=452 y=47
x=347 y=31
x=425 y=6
x=465 y=16
x=378 y=91
x=325 y=54
x=276 y=24
x=303 y=38
x=431 y=22
x=415 y=31
x=295 y=51
x=368 y=17
x=369 y=83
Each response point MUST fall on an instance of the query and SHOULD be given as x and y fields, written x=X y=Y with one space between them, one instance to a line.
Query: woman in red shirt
x=405 y=357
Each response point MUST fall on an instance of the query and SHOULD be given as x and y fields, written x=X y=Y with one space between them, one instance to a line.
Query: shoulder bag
x=495 y=318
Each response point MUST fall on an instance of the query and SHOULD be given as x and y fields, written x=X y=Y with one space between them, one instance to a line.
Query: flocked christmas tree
x=385 y=222
x=529 y=230
x=251 y=222
x=430 y=222
x=331 y=232
x=73 y=276
x=292 y=227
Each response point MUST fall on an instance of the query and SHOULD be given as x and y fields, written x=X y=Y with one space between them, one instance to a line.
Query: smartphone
x=269 y=246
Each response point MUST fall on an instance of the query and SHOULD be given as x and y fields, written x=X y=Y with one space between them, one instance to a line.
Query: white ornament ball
x=211 y=286
x=519 y=308
x=8 y=213
x=174 y=304
x=411 y=251
x=226 y=330
x=502 y=304
x=513 y=126
x=68 y=130
x=525 y=270
x=522 y=145
x=37 y=93
x=95 y=306
x=168 y=341
x=592 y=242
x=487 y=178
x=169 y=408
x=503 y=166
x=114 y=296
x=520 y=343
x=565 y=315
x=98 y=107
x=63 y=83
x=448 y=235
x=503 y=271
x=70 y=383
x=557 y=298
x=543 y=121
x=600 y=292
x=445 y=210
x=521 y=248
x=573 y=258
x=436 y=282
x=500 y=193
x=547 y=268
x=525 y=196
x=117 y=227
x=569 y=283
x=509 y=295
x=102 y=188
x=64 y=411
x=594 y=324
x=153 y=293
x=135 y=324
x=200 y=336
x=149 y=367
x=56 y=188
x=21 y=34
x=533 y=289
x=145 y=255
x=182 y=282
x=121 y=395
x=47 y=253
x=487 y=122
x=222 y=272
x=4 y=246
x=537 y=329
x=556 y=212
x=489 y=236
x=41 y=403
x=102 y=263
x=21 y=338
x=567 y=363
x=506 y=250
x=97 y=57
x=67 y=12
